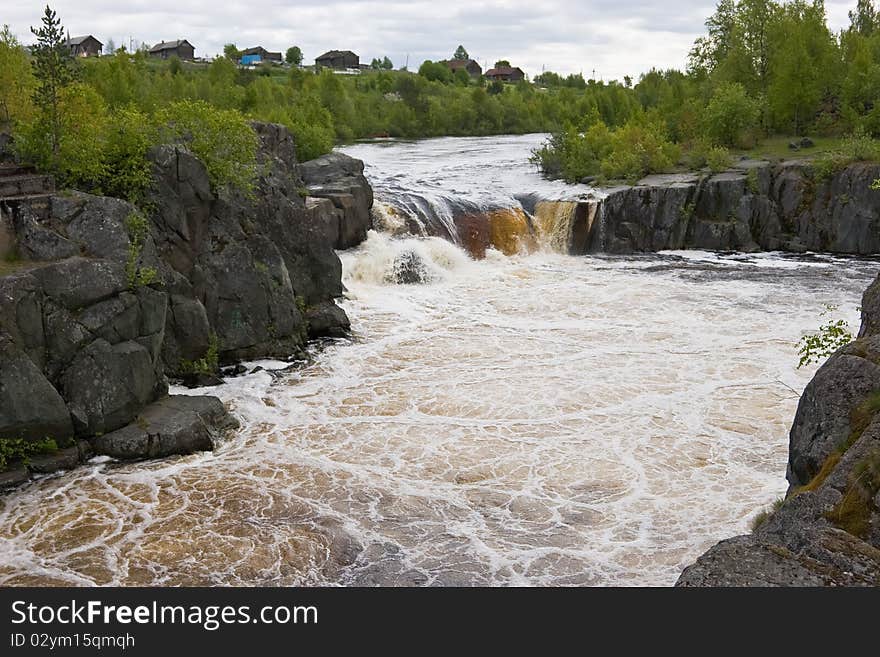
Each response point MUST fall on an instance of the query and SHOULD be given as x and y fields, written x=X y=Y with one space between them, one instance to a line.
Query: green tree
x=729 y=113
x=461 y=54
x=864 y=19
x=709 y=51
x=16 y=81
x=231 y=53
x=294 y=56
x=54 y=71
x=222 y=139
x=502 y=63
x=435 y=71
x=77 y=157
x=387 y=65
x=803 y=65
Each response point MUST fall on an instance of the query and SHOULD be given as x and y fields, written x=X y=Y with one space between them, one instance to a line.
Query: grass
x=765 y=515
x=853 y=513
x=776 y=148
x=11 y=266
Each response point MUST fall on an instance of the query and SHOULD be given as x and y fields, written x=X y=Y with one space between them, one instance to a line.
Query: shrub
x=729 y=114
x=718 y=158
x=79 y=161
x=831 y=336
x=632 y=151
x=13 y=449
x=207 y=364
x=222 y=139
x=638 y=149
x=138 y=229
x=127 y=173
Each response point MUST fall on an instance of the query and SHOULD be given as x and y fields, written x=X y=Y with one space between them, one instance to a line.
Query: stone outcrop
x=340 y=179
x=827 y=530
x=755 y=206
x=103 y=303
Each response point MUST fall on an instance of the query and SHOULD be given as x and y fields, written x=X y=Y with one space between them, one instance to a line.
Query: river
x=525 y=419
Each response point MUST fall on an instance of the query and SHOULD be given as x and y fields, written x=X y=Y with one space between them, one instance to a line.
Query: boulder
x=178 y=424
x=30 y=407
x=340 y=178
x=409 y=269
x=106 y=385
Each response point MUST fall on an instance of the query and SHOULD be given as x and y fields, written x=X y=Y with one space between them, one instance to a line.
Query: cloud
x=612 y=37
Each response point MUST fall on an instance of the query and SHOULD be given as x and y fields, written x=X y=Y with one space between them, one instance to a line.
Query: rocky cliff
x=755 y=206
x=100 y=302
x=827 y=530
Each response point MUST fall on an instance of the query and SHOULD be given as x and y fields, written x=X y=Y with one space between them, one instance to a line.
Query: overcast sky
x=612 y=37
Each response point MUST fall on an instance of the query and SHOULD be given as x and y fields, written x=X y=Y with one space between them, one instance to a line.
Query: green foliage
x=231 y=53
x=831 y=336
x=639 y=148
x=729 y=114
x=69 y=140
x=635 y=149
x=222 y=139
x=856 y=147
x=853 y=512
x=138 y=229
x=16 y=81
x=14 y=449
x=461 y=54
x=207 y=364
x=718 y=159
x=294 y=56
x=752 y=183
x=435 y=71
x=54 y=71
x=127 y=173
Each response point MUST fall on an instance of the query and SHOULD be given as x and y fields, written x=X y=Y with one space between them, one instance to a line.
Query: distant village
x=339 y=61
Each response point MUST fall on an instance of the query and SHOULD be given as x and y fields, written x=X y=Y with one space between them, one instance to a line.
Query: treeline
x=108 y=111
x=764 y=68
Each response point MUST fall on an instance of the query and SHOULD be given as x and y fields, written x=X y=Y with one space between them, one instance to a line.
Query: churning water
x=534 y=419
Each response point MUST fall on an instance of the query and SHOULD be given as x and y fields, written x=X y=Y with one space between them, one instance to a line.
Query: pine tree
x=54 y=70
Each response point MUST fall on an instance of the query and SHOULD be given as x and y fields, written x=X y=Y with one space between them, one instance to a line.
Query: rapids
x=531 y=419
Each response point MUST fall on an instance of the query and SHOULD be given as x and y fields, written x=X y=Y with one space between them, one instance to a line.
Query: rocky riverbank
x=827 y=529
x=755 y=206
x=101 y=303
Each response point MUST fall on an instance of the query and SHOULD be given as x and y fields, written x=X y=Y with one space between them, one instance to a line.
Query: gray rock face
x=827 y=532
x=30 y=407
x=757 y=206
x=340 y=178
x=253 y=264
x=87 y=339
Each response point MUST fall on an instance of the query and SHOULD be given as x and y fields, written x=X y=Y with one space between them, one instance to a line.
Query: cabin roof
x=170 y=45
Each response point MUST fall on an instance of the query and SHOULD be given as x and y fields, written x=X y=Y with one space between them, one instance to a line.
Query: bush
x=13 y=449
x=831 y=336
x=571 y=154
x=718 y=158
x=638 y=149
x=222 y=139
x=80 y=158
x=127 y=173
x=729 y=114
